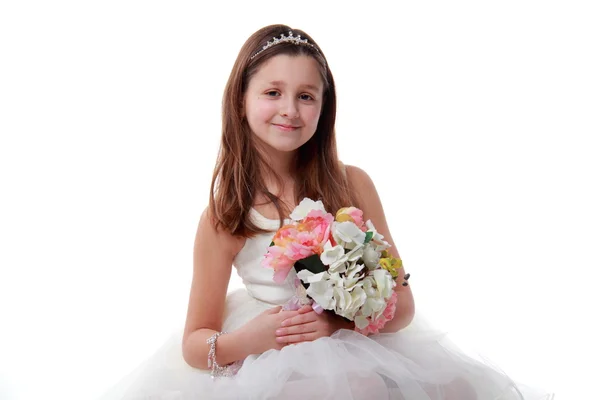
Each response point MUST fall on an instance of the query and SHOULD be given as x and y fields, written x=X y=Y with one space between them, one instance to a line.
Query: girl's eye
x=306 y=97
x=272 y=93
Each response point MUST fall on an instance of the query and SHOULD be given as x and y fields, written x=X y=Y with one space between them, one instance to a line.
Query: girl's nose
x=289 y=109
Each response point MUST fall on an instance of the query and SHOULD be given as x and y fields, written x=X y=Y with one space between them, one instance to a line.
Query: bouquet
x=341 y=263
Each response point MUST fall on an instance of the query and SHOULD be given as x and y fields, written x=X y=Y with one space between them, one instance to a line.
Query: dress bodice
x=258 y=279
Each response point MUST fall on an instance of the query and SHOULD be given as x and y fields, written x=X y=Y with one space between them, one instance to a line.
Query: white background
x=477 y=121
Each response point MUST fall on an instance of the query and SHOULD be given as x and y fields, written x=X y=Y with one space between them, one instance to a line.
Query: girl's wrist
x=230 y=348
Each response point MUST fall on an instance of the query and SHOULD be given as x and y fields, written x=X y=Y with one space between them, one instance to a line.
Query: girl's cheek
x=314 y=116
x=266 y=109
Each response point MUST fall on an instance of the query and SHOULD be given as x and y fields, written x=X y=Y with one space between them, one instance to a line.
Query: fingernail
x=284 y=323
x=279 y=339
x=279 y=331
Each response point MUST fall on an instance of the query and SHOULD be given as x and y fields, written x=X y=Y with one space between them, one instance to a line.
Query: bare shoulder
x=214 y=251
x=361 y=181
x=207 y=231
x=356 y=173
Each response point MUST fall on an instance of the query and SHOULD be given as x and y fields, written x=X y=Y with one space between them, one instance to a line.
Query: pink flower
x=279 y=262
x=285 y=235
x=300 y=250
x=317 y=225
x=379 y=323
x=351 y=214
x=390 y=309
x=297 y=241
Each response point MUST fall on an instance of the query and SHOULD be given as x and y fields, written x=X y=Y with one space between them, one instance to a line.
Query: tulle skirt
x=417 y=363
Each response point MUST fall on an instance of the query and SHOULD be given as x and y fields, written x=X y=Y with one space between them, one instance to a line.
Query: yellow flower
x=350 y=214
x=391 y=264
x=396 y=263
x=341 y=216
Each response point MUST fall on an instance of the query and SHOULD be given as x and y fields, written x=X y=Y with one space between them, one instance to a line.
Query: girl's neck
x=279 y=175
x=283 y=188
x=282 y=163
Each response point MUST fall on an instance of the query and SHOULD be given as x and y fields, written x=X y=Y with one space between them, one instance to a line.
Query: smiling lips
x=286 y=128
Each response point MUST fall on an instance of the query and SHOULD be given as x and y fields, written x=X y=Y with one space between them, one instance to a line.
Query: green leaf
x=272 y=243
x=368 y=237
x=312 y=263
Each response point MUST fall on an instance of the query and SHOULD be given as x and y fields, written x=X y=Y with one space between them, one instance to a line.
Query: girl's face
x=283 y=101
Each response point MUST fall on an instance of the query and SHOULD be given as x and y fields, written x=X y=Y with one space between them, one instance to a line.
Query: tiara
x=290 y=38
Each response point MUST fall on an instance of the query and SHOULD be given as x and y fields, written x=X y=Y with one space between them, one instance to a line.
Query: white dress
x=417 y=363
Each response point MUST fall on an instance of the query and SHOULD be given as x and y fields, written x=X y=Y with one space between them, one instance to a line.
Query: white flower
x=342 y=297
x=377 y=237
x=373 y=307
x=348 y=303
x=331 y=254
x=356 y=253
x=341 y=264
x=350 y=280
x=371 y=256
x=306 y=206
x=385 y=282
x=320 y=288
x=352 y=274
x=378 y=287
x=371 y=228
x=369 y=286
x=348 y=234
x=361 y=322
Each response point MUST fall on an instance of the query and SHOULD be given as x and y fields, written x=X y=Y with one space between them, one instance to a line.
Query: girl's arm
x=214 y=252
x=213 y=257
x=297 y=330
x=372 y=208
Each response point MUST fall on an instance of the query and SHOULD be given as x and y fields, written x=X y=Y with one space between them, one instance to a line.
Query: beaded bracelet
x=216 y=369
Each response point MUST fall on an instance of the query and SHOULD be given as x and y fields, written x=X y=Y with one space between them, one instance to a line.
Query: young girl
x=278 y=146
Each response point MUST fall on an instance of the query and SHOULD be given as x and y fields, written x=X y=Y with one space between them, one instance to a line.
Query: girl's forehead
x=290 y=70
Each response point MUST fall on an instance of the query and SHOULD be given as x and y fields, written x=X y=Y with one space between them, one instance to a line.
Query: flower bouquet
x=341 y=263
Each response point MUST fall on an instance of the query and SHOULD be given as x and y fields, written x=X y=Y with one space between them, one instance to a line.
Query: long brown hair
x=237 y=176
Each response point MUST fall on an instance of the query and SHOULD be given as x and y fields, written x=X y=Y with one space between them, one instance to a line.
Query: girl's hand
x=258 y=333
x=308 y=326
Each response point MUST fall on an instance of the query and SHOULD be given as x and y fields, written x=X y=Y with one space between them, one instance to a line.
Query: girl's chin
x=284 y=145
x=284 y=149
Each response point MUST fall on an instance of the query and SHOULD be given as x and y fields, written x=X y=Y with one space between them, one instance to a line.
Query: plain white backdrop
x=478 y=122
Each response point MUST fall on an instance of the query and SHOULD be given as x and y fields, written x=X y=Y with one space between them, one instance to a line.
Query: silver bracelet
x=216 y=369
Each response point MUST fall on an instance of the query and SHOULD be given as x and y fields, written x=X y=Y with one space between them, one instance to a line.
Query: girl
x=278 y=146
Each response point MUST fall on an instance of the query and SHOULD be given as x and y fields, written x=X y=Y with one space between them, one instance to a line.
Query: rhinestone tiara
x=290 y=38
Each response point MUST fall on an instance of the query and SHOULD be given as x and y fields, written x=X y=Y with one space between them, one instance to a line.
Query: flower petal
x=306 y=206
x=361 y=322
x=331 y=254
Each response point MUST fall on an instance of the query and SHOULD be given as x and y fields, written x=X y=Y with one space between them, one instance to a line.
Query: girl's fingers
x=285 y=315
x=310 y=327
x=300 y=319
x=305 y=309
x=290 y=339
